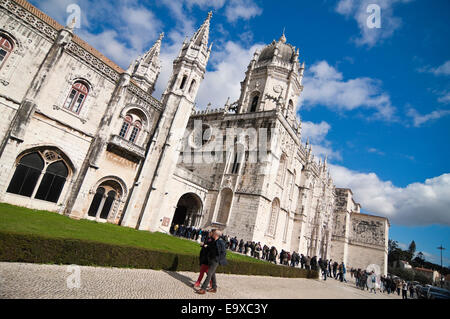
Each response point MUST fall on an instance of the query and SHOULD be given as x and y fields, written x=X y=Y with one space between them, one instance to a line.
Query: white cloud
x=416 y=204
x=227 y=70
x=443 y=69
x=357 y=9
x=326 y=86
x=316 y=132
x=245 y=9
x=419 y=119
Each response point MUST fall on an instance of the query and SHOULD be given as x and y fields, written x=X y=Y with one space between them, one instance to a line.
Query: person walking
x=204 y=260
x=217 y=253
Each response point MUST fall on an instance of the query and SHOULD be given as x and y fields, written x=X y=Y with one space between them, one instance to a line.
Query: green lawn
x=21 y=220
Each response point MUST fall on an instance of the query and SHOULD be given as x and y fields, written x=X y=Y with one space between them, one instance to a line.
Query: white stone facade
x=84 y=138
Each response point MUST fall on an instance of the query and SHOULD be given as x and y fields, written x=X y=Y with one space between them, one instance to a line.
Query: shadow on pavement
x=184 y=279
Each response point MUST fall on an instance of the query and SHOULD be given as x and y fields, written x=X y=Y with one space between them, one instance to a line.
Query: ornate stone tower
x=178 y=101
x=273 y=80
x=146 y=69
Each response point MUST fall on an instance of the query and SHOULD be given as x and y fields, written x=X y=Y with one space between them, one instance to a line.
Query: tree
x=412 y=248
x=419 y=260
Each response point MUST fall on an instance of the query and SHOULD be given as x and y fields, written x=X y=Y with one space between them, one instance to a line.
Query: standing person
x=329 y=267
x=308 y=263
x=344 y=271
x=399 y=287
x=372 y=282
x=404 y=290
x=241 y=246
x=204 y=260
x=323 y=266
x=302 y=261
x=335 y=265
x=411 y=291
x=217 y=253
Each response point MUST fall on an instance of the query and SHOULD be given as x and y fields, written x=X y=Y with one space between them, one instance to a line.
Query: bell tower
x=149 y=193
x=273 y=80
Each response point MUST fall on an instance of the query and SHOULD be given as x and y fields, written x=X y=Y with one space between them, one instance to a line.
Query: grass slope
x=21 y=220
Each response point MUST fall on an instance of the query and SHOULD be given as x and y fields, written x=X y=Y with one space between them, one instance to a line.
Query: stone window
x=6 y=48
x=192 y=87
x=106 y=200
x=254 y=103
x=183 y=82
x=40 y=175
x=77 y=96
x=131 y=127
x=125 y=126
x=281 y=170
x=273 y=217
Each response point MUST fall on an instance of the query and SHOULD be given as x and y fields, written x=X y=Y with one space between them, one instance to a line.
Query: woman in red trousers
x=204 y=261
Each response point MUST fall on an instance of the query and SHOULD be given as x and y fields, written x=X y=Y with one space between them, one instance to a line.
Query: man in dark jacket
x=216 y=252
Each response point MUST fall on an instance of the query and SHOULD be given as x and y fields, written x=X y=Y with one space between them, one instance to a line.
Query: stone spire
x=152 y=56
x=147 y=68
x=202 y=35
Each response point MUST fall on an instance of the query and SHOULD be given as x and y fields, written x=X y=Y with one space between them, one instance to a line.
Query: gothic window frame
x=49 y=184
x=79 y=87
x=108 y=183
x=6 y=45
x=254 y=103
x=137 y=122
x=183 y=82
x=281 y=173
x=127 y=122
x=135 y=130
x=273 y=217
x=192 y=86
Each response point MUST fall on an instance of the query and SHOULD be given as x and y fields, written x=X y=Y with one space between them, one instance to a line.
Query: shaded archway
x=188 y=210
x=106 y=199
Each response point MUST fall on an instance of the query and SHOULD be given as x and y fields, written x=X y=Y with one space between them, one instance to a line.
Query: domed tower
x=273 y=80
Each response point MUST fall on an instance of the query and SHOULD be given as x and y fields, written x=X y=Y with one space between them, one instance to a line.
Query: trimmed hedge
x=27 y=248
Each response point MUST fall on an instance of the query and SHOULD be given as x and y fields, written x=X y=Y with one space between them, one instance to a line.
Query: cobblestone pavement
x=20 y=280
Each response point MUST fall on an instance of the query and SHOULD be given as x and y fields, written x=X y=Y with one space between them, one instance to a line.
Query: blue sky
x=376 y=101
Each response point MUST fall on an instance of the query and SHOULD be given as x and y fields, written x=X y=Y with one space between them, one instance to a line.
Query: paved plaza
x=20 y=280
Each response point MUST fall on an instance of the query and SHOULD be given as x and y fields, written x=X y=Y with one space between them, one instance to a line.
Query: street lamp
x=441 y=249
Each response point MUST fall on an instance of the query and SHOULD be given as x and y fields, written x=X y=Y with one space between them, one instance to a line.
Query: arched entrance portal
x=188 y=211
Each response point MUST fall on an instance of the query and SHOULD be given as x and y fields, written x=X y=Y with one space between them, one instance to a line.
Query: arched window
x=135 y=131
x=254 y=104
x=28 y=175
x=286 y=226
x=125 y=126
x=96 y=201
x=6 y=48
x=226 y=196
x=53 y=182
x=281 y=170
x=273 y=217
x=183 y=82
x=77 y=96
x=131 y=126
x=294 y=177
x=104 y=202
x=192 y=87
